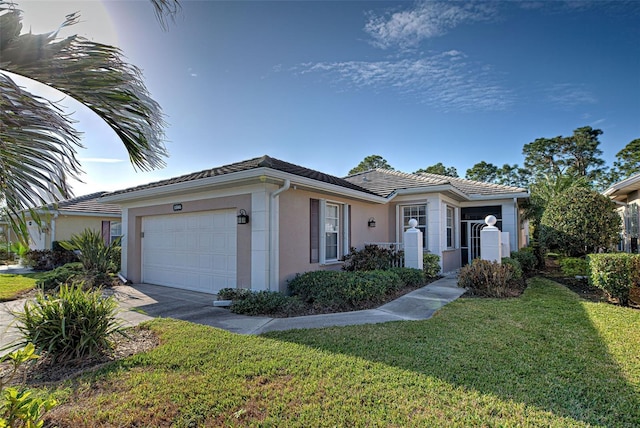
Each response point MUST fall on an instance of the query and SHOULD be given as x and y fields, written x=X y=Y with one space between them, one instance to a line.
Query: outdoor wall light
x=243 y=217
x=371 y=222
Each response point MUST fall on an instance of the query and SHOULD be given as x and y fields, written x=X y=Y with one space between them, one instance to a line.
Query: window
x=419 y=212
x=450 y=227
x=329 y=226
x=115 y=231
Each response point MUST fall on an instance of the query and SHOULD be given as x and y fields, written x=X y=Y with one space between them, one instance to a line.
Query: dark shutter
x=106 y=232
x=314 y=231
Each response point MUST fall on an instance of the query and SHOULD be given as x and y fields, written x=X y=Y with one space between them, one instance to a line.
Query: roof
x=87 y=204
x=247 y=165
x=384 y=182
x=621 y=189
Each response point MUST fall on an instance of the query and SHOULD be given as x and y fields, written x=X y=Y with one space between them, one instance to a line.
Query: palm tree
x=38 y=141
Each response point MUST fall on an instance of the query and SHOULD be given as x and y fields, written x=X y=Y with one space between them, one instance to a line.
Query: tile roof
x=260 y=162
x=86 y=204
x=383 y=182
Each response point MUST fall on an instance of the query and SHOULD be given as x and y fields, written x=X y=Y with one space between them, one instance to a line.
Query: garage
x=193 y=251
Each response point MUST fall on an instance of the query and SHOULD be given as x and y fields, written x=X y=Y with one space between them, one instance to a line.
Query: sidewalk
x=143 y=302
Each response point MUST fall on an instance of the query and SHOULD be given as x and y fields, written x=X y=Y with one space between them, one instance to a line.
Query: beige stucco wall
x=295 y=230
x=67 y=226
x=243 y=234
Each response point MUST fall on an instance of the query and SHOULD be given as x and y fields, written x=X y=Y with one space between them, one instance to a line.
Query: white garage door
x=194 y=251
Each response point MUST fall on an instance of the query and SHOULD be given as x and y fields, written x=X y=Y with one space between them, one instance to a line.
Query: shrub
x=517 y=268
x=61 y=275
x=21 y=406
x=488 y=279
x=431 y=265
x=48 y=259
x=527 y=259
x=266 y=303
x=410 y=277
x=574 y=266
x=616 y=274
x=579 y=221
x=372 y=257
x=70 y=325
x=233 y=293
x=340 y=290
x=96 y=256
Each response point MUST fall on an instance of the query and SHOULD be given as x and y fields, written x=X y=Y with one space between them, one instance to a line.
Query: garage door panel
x=194 y=251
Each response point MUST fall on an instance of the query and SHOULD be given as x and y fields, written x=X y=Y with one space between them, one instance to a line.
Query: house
x=61 y=220
x=257 y=223
x=626 y=194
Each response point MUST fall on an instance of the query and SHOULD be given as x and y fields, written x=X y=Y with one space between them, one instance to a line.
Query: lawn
x=12 y=286
x=544 y=359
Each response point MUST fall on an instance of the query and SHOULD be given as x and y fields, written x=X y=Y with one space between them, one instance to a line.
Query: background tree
x=482 y=171
x=577 y=155
x=371 y=162
x=513 y=175
x=439 y=169
x=38 y=140
x=579 y=221
x=627 y=161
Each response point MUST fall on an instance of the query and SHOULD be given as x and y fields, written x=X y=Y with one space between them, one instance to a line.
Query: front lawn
x=544 y=359
x=14 y=285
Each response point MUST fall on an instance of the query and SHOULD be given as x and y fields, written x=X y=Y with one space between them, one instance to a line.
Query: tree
x=371 y=162
x=579 y=221
x=439 y=169
x=627 y=161
x=38 y=140
x=482 y=171
x=577 y=155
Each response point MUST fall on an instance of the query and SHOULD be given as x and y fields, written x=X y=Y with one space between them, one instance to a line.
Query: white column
x=259 y=240
x=413 y=246
x=490 y=241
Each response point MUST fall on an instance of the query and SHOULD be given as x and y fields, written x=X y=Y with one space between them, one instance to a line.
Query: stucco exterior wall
x=295 y=230
x=67 y=226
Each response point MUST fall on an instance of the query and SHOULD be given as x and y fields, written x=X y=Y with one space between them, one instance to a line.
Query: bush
x=62 y=275
x=616 y=274
x=340 y=290
x=71 y=325
x=372 y=257
x=233 y=293
x=574 y=266
x=48 y=259
x=517 y=268
x=266 y=303
x=579 y=221
x=96 y=256
x=488 y=279
x=431 y=265
x=527 y=259
x=410 y=277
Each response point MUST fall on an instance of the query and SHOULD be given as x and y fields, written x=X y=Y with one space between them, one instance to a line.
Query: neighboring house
x=626 y=194
x=61 y=220
x=190 y=231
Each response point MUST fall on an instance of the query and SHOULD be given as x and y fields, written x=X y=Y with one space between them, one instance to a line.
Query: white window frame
x=114 y=225
x=404 y=220
x=450 y=227
x=342 y=232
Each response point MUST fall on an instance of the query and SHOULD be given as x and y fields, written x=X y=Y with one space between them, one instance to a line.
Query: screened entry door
x=471 y=239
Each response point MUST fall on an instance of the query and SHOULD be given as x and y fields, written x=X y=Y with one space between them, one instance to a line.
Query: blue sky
x=326 y=83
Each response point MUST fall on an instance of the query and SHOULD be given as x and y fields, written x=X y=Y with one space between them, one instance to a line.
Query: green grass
x=545 y=359
x=12 y=286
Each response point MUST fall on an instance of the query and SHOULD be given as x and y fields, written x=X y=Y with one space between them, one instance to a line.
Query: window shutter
x=106 y=232
x=314 y=229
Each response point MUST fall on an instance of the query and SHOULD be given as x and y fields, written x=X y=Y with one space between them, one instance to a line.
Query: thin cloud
x=568 y=95
x=101 y=160
x=406 y=29
x=447 y=81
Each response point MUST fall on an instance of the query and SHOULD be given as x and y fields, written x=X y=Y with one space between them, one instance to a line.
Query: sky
x=324 y=84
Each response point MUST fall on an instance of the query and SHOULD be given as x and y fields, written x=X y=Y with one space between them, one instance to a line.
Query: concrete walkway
x=143 y=302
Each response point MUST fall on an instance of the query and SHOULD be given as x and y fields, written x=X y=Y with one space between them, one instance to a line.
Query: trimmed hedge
x=616 y=274
x=61 y=275
x=266 y=303
x=410 y=277
x=517 y=268
x=528 y=260
x=343 y=290
x=372 y=257
x=431 y=265
x=574 y=266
